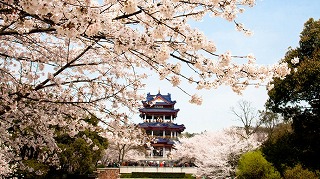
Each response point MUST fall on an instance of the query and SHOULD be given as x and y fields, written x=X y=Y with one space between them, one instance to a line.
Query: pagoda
x=158 y=115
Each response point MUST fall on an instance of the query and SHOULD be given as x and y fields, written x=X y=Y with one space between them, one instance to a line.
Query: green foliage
x=93 y=120
x=297 y=98
x=156 y=175
x=299 y=173
x=101 y=166
x=34 y=169
x=302 y=85
x=188 y=135
x=253 y=165
x=189 y=176
x=280 y=130
x=281 y=152
x=125 y=175
x=77 y=156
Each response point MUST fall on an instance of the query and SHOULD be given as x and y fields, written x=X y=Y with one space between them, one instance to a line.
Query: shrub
x=299 y=173
x=125 y=175
x=253 y=165
x=156 y=175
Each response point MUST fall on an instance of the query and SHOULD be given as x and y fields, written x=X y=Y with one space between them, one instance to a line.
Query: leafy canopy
x=297 y=98
x=253 y=165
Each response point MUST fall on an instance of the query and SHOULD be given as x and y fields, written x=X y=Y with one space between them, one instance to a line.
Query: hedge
x=156 y=175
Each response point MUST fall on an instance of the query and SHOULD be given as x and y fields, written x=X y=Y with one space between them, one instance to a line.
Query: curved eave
x=147 y=103
x=163 y=141
x=161 y=145
x=153 y=126
x=158 y=110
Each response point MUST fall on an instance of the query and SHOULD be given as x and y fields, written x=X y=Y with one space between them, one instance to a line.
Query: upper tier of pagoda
x=158 y=105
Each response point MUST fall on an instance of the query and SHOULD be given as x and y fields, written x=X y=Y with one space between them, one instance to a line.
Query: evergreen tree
x=297 y=98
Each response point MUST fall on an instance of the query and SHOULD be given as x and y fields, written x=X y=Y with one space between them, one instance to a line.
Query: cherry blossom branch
x=127 y=15
x=160 y=22
x=78 y=58
x=63 y=68
x=32 y=31
x=181 y=59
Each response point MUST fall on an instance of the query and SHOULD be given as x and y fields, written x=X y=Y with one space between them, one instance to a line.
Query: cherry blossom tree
x=5 y=168
x=216 y=153
x=126 y=142
x=63 y=60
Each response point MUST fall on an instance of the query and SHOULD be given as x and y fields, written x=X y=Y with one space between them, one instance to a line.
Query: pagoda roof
x=158 y=110
x=160 y=125
x=164 y=140
x=159 y=99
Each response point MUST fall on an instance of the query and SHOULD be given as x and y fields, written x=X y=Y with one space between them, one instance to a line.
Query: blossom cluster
x=216 y=151
x=5 y=168
x=64 y=60
x=124 y=141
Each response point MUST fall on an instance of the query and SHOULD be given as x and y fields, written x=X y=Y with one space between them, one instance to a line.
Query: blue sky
x=276 y=25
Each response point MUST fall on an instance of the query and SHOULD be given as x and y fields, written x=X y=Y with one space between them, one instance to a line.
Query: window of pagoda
x=157 y=133
x=158 y=151
x=168 y=134
x=149 y=132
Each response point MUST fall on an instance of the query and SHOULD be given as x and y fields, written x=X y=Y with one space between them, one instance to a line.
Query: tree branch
x=127 y=15
x=32 y=31
x=64 y=67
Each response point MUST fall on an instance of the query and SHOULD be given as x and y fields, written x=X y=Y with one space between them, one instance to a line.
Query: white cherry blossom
x=295 y=60
x=125 y=140
x=64 y=60
x=216 y=153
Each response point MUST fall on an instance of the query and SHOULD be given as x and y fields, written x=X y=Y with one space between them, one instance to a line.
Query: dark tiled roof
x=158 y=110
x=166 y=97
x=164 y=140
x=161 y=125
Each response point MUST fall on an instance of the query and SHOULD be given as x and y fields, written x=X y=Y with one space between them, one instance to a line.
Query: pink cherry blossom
x=64 y=60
